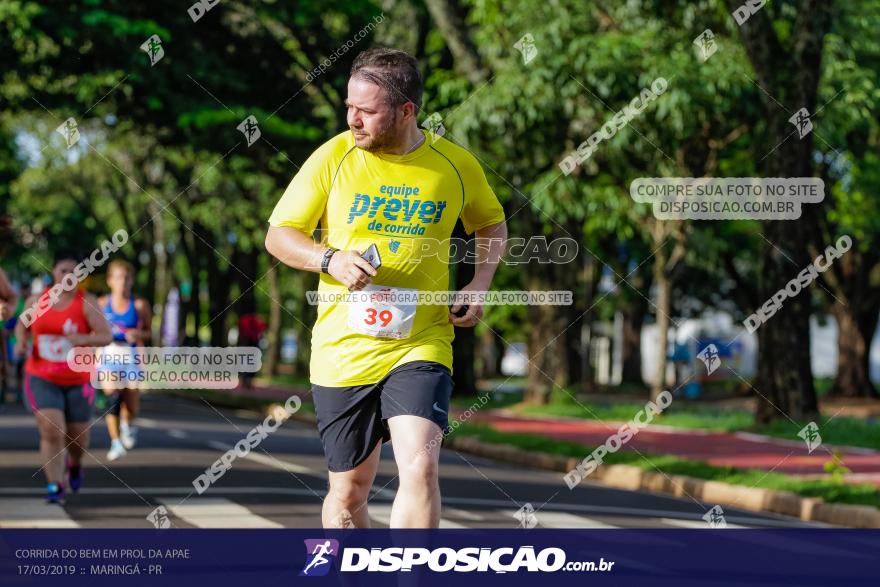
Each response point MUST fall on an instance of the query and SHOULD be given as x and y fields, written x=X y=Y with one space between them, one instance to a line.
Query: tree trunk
x=246 y=261
x=633 y=320
x=218 y=285
x=572 y=315
x=161 y=283
x=487 y=351
x=273 y=333
x=663 y=285
x=450 y=19
x=787 y=74
x=191 y=306
x=856 y=326
x=547 y=341
x=540 y=351
x=592 y=275
x=784 y=382
x=664 y=264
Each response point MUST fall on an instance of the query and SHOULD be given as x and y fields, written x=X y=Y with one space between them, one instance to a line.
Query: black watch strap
x=325 y=260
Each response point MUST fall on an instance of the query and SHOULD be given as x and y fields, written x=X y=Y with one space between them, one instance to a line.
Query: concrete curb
x=714 y=492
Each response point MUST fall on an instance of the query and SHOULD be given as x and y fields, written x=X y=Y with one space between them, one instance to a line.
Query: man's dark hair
x=394 y=70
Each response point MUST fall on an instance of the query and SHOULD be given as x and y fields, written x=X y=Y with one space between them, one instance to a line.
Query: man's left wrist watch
x=325 y=260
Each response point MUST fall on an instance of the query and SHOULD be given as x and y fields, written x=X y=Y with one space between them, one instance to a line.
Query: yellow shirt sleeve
x=481 y=206
x=305 y=199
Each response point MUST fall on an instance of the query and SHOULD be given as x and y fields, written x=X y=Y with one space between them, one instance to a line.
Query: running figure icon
x=318 y=553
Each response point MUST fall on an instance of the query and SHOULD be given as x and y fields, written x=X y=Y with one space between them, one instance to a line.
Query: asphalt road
x=281 y=482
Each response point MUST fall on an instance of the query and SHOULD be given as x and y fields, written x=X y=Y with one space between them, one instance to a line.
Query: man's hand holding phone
x=355 y=270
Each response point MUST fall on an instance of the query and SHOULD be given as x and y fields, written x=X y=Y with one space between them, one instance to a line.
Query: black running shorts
x=352 y=420
x=76 y=401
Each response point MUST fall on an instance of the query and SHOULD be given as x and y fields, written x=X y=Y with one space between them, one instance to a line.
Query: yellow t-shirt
x=407 y=205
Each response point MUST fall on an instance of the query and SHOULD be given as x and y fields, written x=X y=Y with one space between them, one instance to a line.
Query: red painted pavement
x=717 y=448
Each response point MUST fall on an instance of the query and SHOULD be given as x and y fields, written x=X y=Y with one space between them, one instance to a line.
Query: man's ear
x=410 y=111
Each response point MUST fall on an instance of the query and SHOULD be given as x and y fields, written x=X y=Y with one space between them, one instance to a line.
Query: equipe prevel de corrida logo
x=320 y=554
x=407 y=214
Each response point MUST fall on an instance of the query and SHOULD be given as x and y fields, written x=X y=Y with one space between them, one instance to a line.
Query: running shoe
x=75 y=477
x=117 y=450
x=55 y=493
x=128 y=435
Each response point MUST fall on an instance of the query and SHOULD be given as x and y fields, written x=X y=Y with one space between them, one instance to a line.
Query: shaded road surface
x=281 y=482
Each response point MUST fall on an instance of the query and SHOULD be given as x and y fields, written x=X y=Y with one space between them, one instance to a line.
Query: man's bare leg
x=417 y=453
x=348 y=494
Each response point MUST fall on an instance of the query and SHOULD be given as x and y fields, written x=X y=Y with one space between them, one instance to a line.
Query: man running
x=382 y=370
x=61 y=398
x=129 y=319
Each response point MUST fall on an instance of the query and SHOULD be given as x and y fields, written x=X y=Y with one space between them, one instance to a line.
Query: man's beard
x=385 y=139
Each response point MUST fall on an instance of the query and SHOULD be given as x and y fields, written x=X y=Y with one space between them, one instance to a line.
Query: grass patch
x=830 y=491
x=720 y=420
x=839 y=430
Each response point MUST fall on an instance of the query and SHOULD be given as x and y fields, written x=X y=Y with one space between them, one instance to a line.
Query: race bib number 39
x=383 y=312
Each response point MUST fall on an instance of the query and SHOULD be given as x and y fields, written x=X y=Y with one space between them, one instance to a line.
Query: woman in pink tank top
x=60 y=398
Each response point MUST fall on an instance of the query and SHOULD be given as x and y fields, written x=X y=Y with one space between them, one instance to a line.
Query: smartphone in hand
x=461 y=311
x=372 y=256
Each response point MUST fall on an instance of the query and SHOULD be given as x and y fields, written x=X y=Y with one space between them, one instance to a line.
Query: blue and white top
x=120 y=323
x=116 y=359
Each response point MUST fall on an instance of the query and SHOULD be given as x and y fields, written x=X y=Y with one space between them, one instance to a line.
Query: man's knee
x=349 y=491
x=421 y=471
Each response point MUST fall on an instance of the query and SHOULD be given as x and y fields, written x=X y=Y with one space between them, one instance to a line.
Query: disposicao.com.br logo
x=322 y=552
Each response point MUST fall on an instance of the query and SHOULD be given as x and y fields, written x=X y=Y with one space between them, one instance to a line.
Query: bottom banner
x=170 y=557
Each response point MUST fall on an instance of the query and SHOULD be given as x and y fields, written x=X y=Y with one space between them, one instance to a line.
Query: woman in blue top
x=129 y=319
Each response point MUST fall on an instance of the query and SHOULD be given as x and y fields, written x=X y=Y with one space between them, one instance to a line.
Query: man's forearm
x=294 y=248
x=490 y=245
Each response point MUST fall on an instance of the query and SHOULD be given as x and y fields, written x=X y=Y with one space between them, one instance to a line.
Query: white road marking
x=177 y=433
x=382 y=513
x=294 y=468
x=694 y=523
x=551 y=519
x=481 y=503
x=33 y=512
x=458 y=513
x=270 y=461
x=217 y=512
